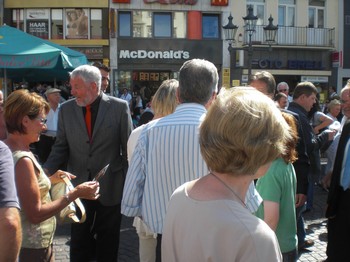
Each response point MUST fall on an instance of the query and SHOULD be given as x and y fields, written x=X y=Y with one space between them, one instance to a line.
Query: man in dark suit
x=93 y=131
x=338 y=209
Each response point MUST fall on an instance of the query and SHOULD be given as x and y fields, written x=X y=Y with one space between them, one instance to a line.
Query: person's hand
x=88 y=190
x=57 y=177
x=300 y=200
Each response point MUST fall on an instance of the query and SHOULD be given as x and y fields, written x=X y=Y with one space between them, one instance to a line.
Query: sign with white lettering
x=171 y=54
x=38 y=28
x=164 y=51
x=37 y=14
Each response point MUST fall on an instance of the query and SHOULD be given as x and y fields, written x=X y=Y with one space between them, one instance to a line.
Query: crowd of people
x=208 y=175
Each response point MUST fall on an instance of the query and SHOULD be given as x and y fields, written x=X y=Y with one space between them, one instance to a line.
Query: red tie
x=88 y=120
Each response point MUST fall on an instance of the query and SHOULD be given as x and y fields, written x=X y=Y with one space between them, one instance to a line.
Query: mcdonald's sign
x=219 y=2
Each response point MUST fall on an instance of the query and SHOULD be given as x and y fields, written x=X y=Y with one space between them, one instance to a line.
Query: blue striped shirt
x=166 y=156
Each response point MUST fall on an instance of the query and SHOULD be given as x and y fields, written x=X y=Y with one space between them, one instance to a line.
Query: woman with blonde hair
x=207 y=219
x=164 y=103
x=25 y=114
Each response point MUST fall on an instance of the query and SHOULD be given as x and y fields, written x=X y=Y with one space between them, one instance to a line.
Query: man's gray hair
x=89 y=74
x=198 y=80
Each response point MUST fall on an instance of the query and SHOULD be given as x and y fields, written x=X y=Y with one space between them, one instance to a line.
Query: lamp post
x=230 y=30
x=249 y=24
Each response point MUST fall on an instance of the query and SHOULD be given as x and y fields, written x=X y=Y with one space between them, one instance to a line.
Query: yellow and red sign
x=219 y=2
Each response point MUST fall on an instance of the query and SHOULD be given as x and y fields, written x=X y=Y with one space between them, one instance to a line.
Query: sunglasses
x=42 y=120
x=283 y=90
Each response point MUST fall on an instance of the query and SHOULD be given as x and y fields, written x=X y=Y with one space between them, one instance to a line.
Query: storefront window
x=37 y=22
x=56 y=23
x=162 y=25
x=77 y=23
x=124 y=22
x=96 y=23
x=17 y=19
x=210 y=26
x=122 y=80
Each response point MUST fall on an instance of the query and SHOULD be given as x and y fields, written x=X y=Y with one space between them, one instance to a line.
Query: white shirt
x=52 y=120
x=127 y=97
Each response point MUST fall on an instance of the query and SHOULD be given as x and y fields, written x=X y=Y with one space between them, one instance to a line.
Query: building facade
x=146 y=41
x=341 y=56
x=154 y=37
x=78 y=24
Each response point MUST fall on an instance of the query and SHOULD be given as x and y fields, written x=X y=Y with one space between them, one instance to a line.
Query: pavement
x=128 y=249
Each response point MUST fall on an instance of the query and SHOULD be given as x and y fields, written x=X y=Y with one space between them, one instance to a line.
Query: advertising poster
x=77 y=23
x=38 y=23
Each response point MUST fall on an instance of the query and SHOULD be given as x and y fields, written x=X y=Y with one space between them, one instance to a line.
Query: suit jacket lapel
x=102 y=110
x=79 y=117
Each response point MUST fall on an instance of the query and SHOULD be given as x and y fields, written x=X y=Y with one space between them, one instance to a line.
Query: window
x=162 y=25
x=96 y=23
x=17 y=19
x=179 y=30
x=77 y=23
x=210 y=26
x=56 y=23
x=259 y=10
x=286 y=13
x=147 y=24
x=316 y=13
x=142 y=24
x=124 y=24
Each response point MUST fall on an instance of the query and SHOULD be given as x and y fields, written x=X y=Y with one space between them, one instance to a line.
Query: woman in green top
x=25 y=114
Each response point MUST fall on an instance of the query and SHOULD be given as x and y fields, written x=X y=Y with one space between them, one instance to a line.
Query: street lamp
x=270 y=32
x=250 y=24
x=230 y=30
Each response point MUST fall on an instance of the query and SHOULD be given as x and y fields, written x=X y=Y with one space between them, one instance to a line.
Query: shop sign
x=143 y=54
x=38 y=28
x=315 y=79
x=164 y=51
x=172 y=2
x=37 y=14
x=305 y=64
x=90 y=52
x=219 y=2
x=267 y=63
x=336 y=59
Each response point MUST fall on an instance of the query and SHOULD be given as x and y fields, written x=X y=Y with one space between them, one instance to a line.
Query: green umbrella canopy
x=26 y=57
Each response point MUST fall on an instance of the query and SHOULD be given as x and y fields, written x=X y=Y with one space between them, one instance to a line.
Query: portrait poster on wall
x=77 y=23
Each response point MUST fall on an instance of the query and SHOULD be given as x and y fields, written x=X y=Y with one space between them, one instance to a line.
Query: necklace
x=229 y=188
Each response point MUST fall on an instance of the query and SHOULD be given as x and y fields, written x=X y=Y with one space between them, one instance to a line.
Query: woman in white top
x=207 y=219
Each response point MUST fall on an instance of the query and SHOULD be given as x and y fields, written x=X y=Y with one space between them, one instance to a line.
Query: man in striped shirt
x=167 y=153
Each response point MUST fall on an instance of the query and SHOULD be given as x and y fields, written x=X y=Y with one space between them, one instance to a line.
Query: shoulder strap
x=77 y=202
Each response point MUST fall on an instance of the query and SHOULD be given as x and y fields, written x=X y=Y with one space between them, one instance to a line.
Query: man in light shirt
x=47 y=139
x=167 y=153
